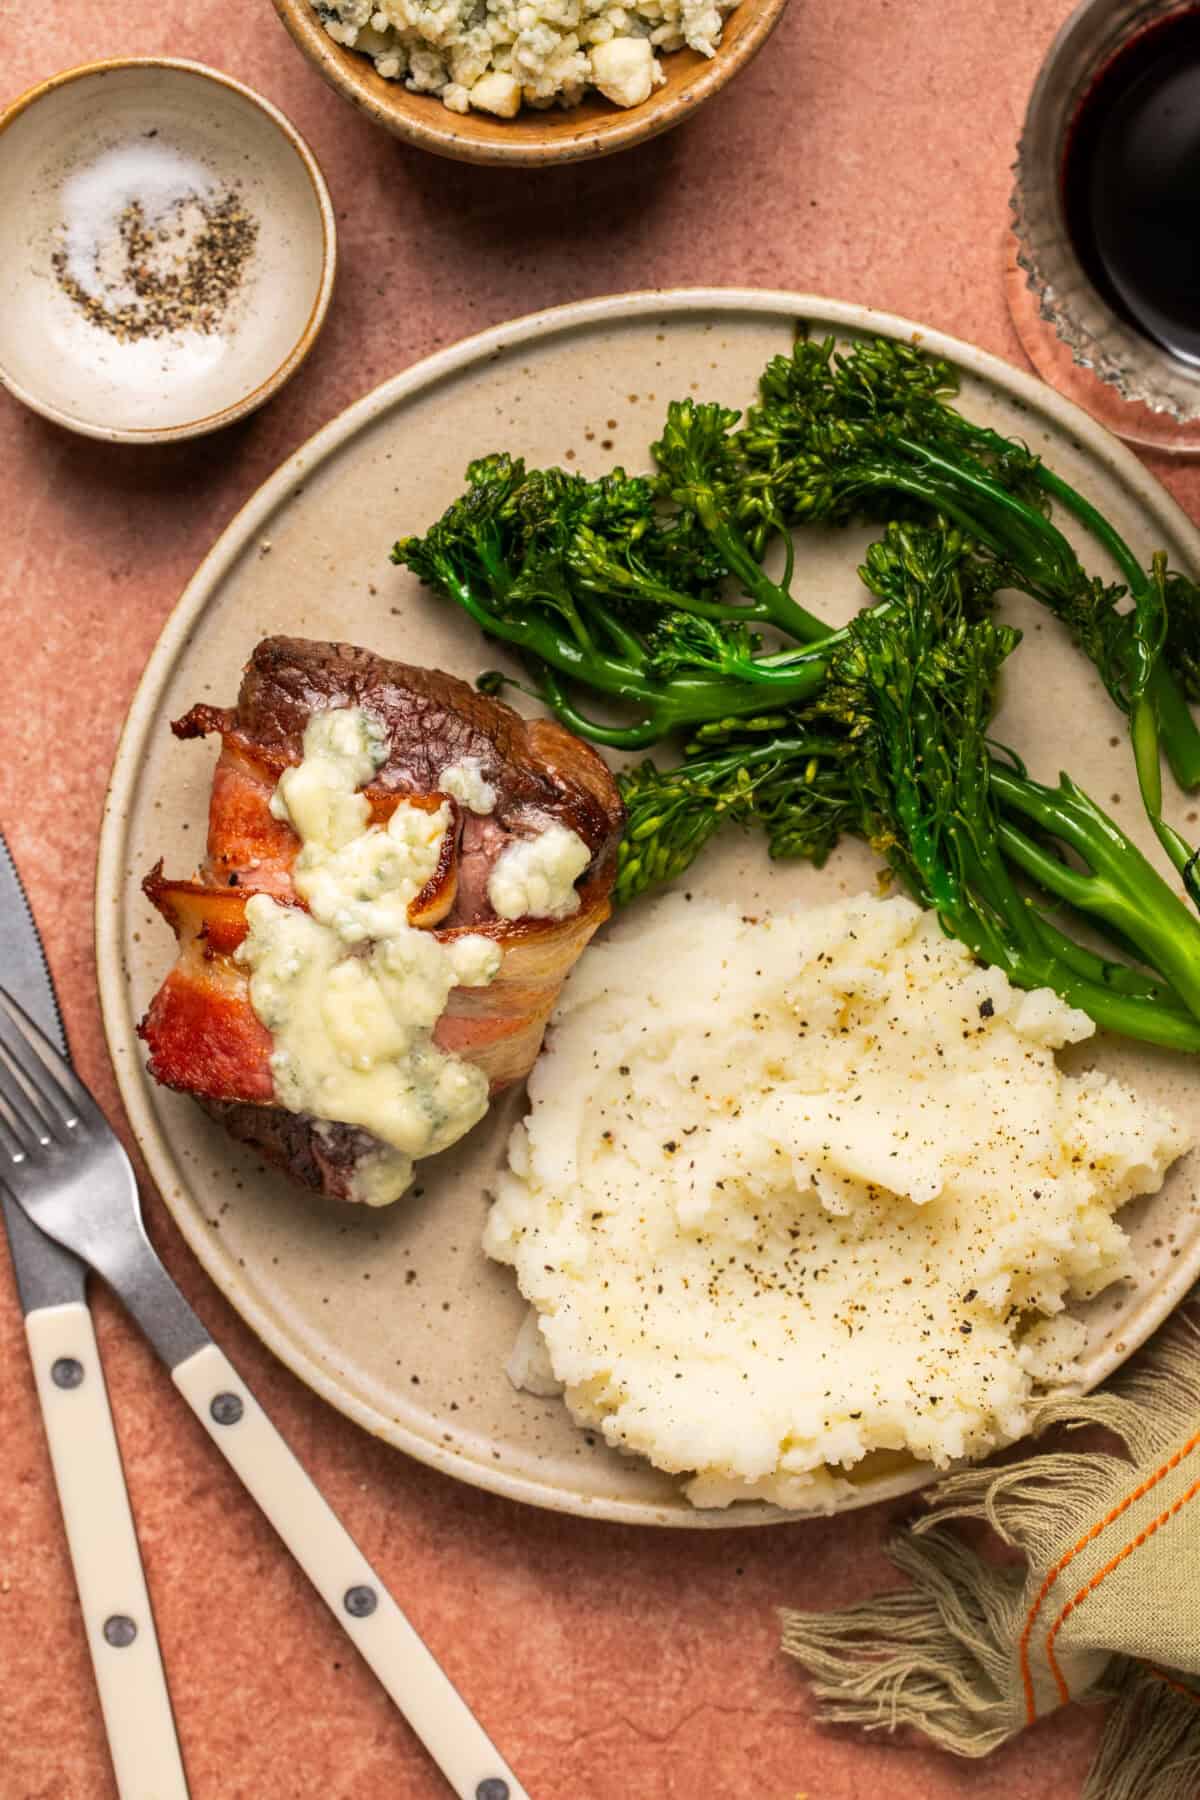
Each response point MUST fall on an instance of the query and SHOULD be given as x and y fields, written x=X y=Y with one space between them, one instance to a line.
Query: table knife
x=51 y=1288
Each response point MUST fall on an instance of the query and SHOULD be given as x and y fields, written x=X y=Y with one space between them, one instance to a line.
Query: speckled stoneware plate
x=397 y=1318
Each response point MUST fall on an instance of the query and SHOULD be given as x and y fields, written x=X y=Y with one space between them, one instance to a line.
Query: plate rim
x=109 y=902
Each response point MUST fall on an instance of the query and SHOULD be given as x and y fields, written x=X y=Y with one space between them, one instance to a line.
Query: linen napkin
x=1106 y=1607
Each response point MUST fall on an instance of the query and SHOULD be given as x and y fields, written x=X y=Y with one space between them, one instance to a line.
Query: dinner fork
x=66 y=1168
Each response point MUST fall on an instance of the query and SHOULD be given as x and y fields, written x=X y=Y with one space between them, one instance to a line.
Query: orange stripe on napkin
x=1115 y=1562
x=1053 y=1574
x=1181 y=1687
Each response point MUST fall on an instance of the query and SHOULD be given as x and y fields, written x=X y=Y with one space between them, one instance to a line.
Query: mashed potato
x=795 y=1190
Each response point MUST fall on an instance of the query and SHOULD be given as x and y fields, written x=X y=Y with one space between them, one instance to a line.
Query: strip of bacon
x=205 y=1037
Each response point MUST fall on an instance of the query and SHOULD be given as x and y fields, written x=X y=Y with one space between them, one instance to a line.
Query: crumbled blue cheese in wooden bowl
x=496 y=56
x=796 y=1190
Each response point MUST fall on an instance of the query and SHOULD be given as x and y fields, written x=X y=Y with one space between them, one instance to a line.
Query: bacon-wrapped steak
x=204 y=1034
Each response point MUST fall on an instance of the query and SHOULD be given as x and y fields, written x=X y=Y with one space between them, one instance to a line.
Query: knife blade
x=47 y=1275
x=51 y=1288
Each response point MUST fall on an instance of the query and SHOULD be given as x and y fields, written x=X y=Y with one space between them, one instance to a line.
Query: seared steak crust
x=319 y=1156
x=431 y=720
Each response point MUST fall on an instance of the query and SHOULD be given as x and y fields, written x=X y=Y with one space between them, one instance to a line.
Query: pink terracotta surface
x=865 y=155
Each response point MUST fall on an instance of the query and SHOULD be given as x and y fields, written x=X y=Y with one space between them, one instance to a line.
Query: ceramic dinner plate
x=396 y=1317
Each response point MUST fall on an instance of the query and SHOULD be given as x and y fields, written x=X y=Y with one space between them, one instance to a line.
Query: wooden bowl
x=595 y=128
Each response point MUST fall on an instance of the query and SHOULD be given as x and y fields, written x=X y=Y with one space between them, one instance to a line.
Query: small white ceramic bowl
x=74 y=153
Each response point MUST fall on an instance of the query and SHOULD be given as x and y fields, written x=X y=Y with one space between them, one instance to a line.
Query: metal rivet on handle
x=119 y=1631
x=226 y=1409
x=492 y=1789
x=360 y=1602
x=67 y=1372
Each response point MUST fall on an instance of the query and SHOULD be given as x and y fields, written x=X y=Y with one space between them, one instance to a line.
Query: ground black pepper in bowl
x=179 y=273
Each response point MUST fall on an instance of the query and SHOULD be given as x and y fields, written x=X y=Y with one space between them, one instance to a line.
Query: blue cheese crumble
x=496 y=56
x=534 y=878
x=350 y=990
x=464 y=780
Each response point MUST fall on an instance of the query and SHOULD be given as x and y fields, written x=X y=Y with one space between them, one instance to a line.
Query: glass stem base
x=1054 y=362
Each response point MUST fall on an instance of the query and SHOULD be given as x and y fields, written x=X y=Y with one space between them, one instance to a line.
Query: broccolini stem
x=687 y=702
x=1035 y=545
x=1180 y=734
x=669 y=706
x=1033 y=962
x=592 y=666
x=1143 y=732
x=945 y=498
x=615 y=737
x=1130 y=1015
x=773 y=602
x=605 y=576
x=1122 y=888
x=1118 y=977
x=1094 y=521
x=626 y=641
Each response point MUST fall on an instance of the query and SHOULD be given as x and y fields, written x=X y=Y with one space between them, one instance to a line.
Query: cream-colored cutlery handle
x=104 y=1554
x=344 y=1578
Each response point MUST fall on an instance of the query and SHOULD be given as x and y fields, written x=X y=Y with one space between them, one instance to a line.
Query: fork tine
x=29 y=1102
x=12 y=1150
x=26 y=1096
x=62 y=1093
x=23 y=1119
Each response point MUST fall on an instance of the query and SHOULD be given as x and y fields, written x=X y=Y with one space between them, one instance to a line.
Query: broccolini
x=643 y=610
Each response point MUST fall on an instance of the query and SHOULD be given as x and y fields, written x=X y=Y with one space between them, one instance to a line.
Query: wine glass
x=1071 y=333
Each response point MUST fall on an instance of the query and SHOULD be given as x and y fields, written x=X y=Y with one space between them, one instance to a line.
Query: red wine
x=1131 y=183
